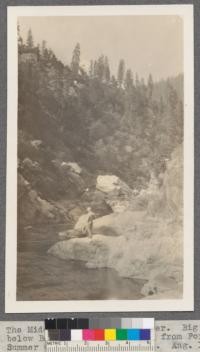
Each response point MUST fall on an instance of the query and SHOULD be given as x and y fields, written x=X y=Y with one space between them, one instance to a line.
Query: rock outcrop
x=139 y=244
x=117 y=193
x=142 y=248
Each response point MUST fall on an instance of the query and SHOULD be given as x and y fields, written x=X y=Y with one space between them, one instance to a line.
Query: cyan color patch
x=133 y=334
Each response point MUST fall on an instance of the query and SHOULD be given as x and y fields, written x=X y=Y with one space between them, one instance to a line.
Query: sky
x=148 y=44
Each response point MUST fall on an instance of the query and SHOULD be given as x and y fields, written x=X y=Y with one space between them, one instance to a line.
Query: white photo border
x=187 y=302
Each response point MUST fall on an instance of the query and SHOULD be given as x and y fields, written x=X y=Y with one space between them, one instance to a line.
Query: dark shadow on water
x=44 y=277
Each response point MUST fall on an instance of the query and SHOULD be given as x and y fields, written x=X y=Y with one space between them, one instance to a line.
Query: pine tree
x=107 y=70
x=121 y=71
x=43 y=48
x=75 y=63
x=173 y=98
x=100 y=68
x=128 y=79
x=29 y=41
x=150 y=86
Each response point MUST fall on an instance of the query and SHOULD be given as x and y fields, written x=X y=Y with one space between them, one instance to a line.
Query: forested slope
x=119 y=125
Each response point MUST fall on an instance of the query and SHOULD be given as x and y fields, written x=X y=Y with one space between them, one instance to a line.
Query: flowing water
x=40 y=276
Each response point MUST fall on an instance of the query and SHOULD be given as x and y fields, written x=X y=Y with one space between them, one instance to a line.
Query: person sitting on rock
x=85 y=223
x=89 y=225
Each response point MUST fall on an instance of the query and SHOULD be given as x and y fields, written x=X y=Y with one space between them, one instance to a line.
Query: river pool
x=40 y=276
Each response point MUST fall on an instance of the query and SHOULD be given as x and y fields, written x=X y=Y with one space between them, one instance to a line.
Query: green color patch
x=121 y=334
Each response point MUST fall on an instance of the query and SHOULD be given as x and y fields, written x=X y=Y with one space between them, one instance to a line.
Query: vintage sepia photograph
x=104 y=150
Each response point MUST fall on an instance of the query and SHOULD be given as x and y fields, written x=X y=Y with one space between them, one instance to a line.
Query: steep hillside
x=69 y=117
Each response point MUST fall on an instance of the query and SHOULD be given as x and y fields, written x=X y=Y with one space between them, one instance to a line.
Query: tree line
x=98 y=68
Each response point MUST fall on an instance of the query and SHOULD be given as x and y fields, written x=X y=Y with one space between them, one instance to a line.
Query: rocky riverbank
x=139 y=244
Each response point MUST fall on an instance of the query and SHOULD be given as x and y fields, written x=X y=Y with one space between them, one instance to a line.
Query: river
x=43 y=277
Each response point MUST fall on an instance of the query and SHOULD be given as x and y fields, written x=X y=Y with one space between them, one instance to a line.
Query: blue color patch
x=133 y=334
x=145 y=334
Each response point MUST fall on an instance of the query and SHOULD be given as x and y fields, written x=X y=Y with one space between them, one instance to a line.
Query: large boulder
x=93 y=251
x=111 y=183
x=117 y=224
x=117 y=193
x=144 y=248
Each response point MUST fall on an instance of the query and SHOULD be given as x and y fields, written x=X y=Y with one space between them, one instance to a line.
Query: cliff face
x=167 y=198
x=173 y=182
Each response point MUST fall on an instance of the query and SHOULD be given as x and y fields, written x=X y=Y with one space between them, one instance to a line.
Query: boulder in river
x=142 y=248
x=117 y=193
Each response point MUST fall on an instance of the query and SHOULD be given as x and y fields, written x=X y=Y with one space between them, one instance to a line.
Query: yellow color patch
x=110 y=334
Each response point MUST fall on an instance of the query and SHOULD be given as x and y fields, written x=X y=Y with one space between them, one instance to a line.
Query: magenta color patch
x=88 y=335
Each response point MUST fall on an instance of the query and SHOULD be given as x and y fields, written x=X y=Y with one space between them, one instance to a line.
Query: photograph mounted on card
x=100 y=158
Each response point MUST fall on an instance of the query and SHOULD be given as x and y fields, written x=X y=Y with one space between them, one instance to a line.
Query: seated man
x=85 y=223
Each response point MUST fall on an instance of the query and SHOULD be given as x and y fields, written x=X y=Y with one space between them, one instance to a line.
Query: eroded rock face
x=164 y=196
x=173 y=184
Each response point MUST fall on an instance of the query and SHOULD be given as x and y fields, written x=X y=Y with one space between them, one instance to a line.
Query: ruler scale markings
x=77 y=348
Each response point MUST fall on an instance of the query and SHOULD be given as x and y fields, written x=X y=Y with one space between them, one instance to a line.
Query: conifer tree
x=129 y=79
x=75 y=63
x=150 y=86
x=43 y=47
x=121 y=71
x=29 y=41
x=100 y=68
x=107 y=70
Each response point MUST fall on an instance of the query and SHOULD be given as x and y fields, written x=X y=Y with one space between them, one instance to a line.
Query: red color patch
x=99 y=335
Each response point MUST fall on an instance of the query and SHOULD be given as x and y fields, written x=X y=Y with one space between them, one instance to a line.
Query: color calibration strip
x=99 y=335
x=121 y=329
